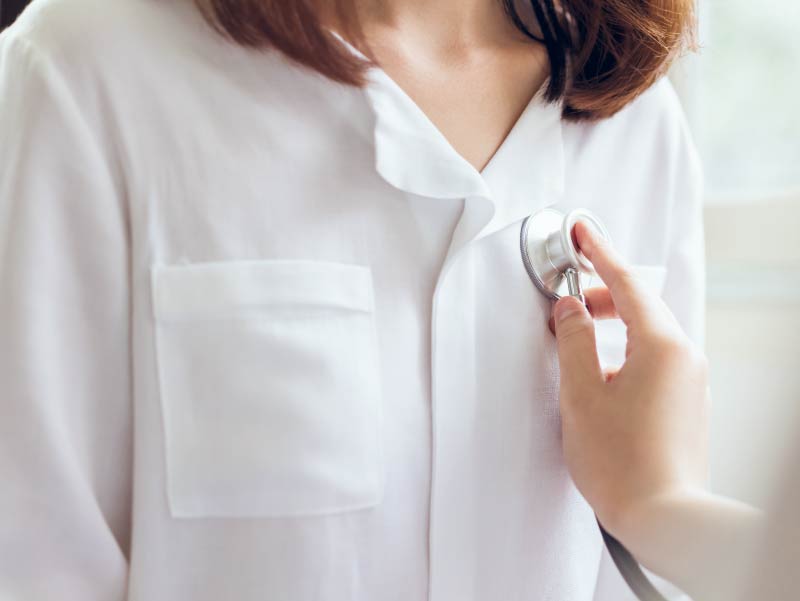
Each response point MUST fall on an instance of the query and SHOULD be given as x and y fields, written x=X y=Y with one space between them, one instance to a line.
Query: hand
x=638 y=435
x=636 y=439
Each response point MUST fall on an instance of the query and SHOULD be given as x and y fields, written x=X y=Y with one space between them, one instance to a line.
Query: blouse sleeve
x=684 y=288
x=65 y=419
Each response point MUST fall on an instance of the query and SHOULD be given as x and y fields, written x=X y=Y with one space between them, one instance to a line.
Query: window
x=748 y=98
x=741 y=93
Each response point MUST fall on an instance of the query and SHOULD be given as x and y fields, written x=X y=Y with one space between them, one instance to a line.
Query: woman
x=267 y=334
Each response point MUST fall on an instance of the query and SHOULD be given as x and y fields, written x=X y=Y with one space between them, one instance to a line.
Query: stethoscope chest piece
x=551 y=257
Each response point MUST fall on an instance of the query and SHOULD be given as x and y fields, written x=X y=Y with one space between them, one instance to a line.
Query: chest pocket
x=270 y=387
x=611 y=334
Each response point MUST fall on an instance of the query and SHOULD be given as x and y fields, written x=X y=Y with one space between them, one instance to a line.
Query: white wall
x=753 y=343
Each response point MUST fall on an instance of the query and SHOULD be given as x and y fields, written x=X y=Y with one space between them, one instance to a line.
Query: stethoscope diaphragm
x=550 y=254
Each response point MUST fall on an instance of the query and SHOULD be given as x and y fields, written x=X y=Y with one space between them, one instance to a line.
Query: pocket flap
x=227 y=287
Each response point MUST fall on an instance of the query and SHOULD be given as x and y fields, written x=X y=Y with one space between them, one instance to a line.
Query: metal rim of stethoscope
x=558 y=226
x=526 y=259
x=550 y=254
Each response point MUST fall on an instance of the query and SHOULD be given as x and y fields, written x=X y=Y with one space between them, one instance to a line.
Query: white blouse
x=266 y=336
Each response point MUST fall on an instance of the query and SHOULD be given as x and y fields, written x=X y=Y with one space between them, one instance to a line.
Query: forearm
x=696 y=540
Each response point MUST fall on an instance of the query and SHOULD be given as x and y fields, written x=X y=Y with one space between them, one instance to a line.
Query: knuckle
x=668 y=345
x=625 y=282
x=629 y=280
x=679 y=351
x=571 y=327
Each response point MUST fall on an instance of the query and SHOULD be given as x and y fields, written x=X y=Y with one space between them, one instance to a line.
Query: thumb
x=577 y=349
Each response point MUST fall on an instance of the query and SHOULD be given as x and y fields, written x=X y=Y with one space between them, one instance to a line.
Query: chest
x=303 y=358
x=474 y=101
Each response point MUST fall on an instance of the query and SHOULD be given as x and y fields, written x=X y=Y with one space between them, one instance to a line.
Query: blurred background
x=741 y=93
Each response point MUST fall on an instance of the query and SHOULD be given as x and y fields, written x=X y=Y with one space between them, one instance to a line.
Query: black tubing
x=630 y=569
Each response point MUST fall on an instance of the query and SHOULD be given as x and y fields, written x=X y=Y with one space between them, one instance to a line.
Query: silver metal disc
x=535 y=231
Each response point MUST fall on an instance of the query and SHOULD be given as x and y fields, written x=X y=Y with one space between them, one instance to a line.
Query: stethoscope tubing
x=630 y=569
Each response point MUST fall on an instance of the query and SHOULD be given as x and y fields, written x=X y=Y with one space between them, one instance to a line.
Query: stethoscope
x=557 y=267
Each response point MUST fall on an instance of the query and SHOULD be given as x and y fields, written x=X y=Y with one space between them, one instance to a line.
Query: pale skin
x=635 y=441
x=463 y=62
x=636 y=438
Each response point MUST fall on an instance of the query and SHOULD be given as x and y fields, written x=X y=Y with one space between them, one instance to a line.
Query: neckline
x=378 y=74
x=536 y=100
x=525 y=173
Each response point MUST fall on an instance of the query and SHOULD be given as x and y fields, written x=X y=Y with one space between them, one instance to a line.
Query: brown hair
x=603 y=53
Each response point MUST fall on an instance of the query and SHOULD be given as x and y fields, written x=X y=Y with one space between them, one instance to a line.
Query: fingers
x=577 y=350
x=630 y=297
x=600 y=303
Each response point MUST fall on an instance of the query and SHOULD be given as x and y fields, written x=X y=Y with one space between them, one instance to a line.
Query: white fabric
x=236 y=360
x=313 y=324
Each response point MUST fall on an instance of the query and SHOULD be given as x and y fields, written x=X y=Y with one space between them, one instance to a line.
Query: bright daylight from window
x=749 y=123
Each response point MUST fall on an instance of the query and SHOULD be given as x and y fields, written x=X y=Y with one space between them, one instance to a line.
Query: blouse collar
x=526 y=173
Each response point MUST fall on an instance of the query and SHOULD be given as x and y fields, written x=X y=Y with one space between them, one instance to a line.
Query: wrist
x=632 y=523
x=690 y=536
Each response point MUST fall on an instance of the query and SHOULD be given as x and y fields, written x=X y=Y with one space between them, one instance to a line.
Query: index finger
x=632 y=299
